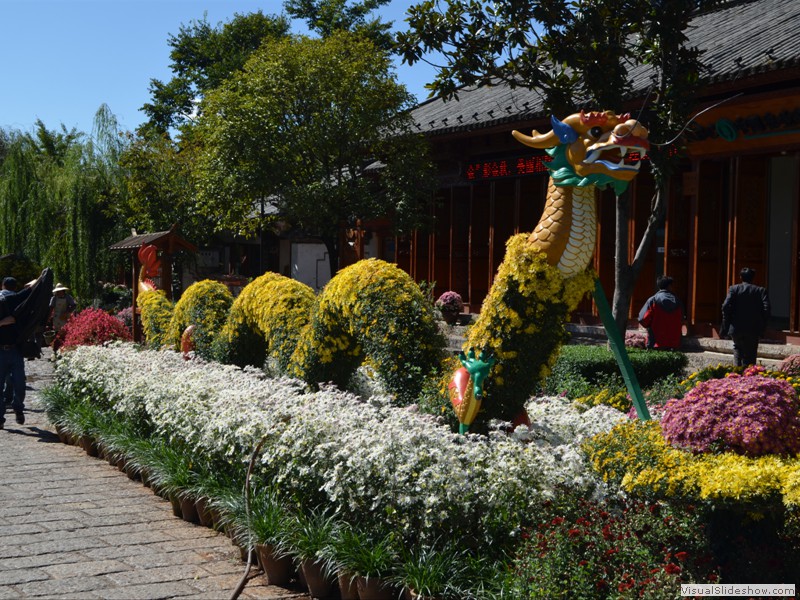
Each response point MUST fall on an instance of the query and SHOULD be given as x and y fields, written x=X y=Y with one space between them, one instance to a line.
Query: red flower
x=682 y=556
x=672 y=568
x=574 y=532
x=625 y=585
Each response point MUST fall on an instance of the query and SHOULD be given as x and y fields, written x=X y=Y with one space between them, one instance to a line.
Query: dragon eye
x=596 y=132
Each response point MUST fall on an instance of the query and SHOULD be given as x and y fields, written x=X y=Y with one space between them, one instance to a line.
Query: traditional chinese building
x=735 y=203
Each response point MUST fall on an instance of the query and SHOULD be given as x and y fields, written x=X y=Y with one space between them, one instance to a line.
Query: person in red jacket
x=662 y=315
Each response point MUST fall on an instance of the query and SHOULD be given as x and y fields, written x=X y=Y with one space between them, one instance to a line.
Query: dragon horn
x=561 y=134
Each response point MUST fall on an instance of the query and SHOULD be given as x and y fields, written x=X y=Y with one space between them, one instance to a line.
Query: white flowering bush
x=369 y=461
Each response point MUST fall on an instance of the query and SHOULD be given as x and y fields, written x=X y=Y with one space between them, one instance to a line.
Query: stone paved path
x=72 y=526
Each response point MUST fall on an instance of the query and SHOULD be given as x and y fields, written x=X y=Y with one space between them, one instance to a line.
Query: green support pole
x=618 y=348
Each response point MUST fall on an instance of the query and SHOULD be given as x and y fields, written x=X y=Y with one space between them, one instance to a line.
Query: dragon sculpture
x=544 y=276
x=375 y=313
x=151 y=265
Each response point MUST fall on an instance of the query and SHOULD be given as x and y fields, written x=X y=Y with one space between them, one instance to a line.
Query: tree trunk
x=333 y=254
x=626 y=274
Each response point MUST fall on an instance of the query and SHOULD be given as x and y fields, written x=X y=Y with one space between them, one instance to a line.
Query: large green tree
x=318 y=129
x=160 y=190
x=202 y=58
x=578 y=54
x=56 y=190
x=325 y=17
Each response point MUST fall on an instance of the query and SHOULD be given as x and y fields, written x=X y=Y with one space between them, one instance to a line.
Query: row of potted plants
x=358 y=485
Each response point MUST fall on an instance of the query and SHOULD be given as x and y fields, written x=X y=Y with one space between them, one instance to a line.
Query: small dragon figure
x=466 y=398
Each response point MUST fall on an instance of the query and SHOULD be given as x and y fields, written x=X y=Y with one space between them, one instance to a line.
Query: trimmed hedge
x=597 y=365
x=204 y=304
x=156 y=317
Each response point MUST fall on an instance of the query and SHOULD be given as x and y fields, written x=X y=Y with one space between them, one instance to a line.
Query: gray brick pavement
x=72 y=526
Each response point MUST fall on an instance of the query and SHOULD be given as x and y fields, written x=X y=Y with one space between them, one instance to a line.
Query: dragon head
x=590 y=149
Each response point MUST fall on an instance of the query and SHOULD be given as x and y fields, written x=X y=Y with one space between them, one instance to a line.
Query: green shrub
x=372 y=311
x=597 y=367
x=265 y=322
x=20 y=268
x=204 y=304
x=156 y=311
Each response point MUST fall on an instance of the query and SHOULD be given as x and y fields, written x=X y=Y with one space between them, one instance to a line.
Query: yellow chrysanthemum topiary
x=156 y=310
x=371 y=310
x=266 y=320
x=204 y=304
x=636 y=457
x=522 y=324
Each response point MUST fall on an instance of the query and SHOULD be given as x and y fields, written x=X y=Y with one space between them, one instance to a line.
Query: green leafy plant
x=171 y=469
x=596 y=366
x=590 y=550
x=432 y=571
x=356 y=553
x=308 y=535
x=269 y=520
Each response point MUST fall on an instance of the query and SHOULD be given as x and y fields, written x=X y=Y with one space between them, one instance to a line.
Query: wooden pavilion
x=168 y=244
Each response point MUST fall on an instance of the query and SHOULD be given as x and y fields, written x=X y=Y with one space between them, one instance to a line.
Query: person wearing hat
x=61 y=306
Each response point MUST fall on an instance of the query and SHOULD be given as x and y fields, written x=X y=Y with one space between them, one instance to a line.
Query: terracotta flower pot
x=374 y=588
x=89 y=446
x=319 y=584
x=449 y=317
x=176 y=507
x=203 y=513
x=188 y=510
x=348 y=588
x=278 y=571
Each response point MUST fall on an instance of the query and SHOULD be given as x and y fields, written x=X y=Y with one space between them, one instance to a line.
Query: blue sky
x=62 y=59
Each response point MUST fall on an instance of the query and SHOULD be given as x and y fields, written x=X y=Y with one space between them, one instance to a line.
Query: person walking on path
x=9 y=288
x=12 y=363
x=662 y=315
x=745 y=312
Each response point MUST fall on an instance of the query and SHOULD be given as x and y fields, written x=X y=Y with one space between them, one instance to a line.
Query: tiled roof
x=737 y=40
x=136 y=241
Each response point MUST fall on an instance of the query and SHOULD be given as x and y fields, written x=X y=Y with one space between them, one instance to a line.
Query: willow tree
x=56 y=191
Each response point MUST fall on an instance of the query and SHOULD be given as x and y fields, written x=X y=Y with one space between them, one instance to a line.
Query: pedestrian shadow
x=44 y=435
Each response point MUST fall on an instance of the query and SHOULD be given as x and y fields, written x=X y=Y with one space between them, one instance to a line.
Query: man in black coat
x=20 y=313
x=744 y=317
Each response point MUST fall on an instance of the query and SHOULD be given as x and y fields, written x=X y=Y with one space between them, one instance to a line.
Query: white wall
x=309 y=264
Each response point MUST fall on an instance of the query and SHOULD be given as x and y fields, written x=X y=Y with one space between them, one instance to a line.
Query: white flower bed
x=371 y=461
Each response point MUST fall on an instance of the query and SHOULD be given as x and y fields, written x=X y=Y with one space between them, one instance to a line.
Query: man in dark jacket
x=12 y=363
x=662 y=315
x=744 y=317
